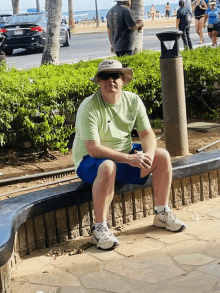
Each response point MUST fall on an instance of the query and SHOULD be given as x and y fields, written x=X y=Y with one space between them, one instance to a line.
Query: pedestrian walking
x=104 y=154
x=213 y=27
x=153 y=11
x=199 y=7
x=121 y=28
x=183 y=21
x=167 y=10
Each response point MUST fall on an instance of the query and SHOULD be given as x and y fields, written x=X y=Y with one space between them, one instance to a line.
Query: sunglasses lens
x=106 y=76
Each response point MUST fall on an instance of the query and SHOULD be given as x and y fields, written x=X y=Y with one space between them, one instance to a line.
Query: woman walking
x=212 y=14
x=152 y=11
x=199 y=7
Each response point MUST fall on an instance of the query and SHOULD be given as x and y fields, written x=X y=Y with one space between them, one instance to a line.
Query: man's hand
x=112 y=50
x=141 y=160
x=140 y=24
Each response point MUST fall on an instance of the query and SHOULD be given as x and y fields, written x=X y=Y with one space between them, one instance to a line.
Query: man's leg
x=188 y=37
x=103 y=192
x=125 y=52
x=161 y=176
x=183 y=36
x=161 y=179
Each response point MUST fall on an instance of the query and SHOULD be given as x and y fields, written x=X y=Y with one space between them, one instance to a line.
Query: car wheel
x=67 y=43
x=8 y=51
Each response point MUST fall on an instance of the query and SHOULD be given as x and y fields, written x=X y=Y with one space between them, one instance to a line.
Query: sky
x=78 y=5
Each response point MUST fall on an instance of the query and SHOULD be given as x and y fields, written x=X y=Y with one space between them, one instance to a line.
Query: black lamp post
x=173 y=94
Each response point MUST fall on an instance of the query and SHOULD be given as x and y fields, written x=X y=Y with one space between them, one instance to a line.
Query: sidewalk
x=149 y=259
x=148 y=25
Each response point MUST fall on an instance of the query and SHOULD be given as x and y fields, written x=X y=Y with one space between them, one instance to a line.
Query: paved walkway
x=149 y=259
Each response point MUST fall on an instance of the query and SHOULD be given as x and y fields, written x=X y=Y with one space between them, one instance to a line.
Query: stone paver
x=193 y=259
x=194 y=282
x=149 y=259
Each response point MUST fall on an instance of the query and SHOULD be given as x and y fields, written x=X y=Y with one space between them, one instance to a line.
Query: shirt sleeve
x=87 y=122
x=142 y=121
x=129 y=19
x=178 y=14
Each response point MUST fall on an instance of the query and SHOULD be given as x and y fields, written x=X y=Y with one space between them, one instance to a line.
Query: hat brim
x=212 y=3
x=127 y=72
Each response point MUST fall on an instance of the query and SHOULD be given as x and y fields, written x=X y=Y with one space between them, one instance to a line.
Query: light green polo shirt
x=92 y=123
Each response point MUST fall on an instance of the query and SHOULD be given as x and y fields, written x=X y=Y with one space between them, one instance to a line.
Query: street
x=92 y=46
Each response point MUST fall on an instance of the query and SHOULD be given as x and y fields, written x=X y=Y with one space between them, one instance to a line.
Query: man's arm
x=138 y=26
x=138 y=159
x=110 y=38
x=177 y=23
x=149 y=144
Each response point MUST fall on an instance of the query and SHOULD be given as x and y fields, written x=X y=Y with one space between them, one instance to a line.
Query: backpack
x=188 y=18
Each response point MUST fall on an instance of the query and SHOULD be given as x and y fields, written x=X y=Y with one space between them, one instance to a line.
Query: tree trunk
x=15 y=6
x=52 y=46
x=38 y=5
x=97 y=14
x=137 y=8
x=47 y=5
x=71 y=15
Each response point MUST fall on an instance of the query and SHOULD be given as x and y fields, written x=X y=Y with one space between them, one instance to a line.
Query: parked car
x=28 y=30
x=4 y=18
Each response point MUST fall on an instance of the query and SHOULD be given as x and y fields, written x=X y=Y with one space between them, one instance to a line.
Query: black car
x=4 y=18
x=28 y=31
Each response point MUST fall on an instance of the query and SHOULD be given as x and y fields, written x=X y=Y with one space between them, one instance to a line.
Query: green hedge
x=38 y=103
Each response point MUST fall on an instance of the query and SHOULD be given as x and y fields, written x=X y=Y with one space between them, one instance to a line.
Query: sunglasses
x=107 y=75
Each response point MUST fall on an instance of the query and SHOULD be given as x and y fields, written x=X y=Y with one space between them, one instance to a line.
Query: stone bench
x=43 y=218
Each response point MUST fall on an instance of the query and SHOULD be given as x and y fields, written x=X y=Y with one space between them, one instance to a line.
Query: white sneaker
x=103 y=238
x=168 y=220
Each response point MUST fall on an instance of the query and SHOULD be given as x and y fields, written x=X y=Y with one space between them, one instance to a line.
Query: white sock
x=101 y=225
x=162 y=208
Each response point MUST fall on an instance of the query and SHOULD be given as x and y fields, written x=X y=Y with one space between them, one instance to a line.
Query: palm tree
x=71 y=15
x=38 y=5
x=15 y=6
x=52 y=46
x=47 y=5
x=137 y=7
x=97 y=14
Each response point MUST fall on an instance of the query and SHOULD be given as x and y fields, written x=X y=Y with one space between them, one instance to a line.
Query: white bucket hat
x=113 y=66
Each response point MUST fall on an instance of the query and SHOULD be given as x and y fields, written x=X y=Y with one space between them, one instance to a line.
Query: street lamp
x=173 y=94
x=97 y=14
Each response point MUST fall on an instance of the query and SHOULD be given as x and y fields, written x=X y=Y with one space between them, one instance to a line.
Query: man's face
x=111 y=82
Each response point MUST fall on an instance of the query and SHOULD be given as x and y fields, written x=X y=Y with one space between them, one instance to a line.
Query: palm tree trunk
x=51 y=49
x=71 y=15
x=47 y=5
x=15 y=6
x=97 y=14
x=38 y=5
x=137 y=8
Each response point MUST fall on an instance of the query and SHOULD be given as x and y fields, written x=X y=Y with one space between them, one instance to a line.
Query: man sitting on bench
x=104 y=154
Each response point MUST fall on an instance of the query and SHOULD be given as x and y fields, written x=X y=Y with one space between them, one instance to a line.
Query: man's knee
x=162 y=157
x=107 y=169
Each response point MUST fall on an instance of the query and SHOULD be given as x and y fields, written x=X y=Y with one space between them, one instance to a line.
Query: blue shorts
x=125 y=173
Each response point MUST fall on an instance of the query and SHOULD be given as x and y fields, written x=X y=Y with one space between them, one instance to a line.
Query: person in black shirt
x=121 y=28
x=183 y=23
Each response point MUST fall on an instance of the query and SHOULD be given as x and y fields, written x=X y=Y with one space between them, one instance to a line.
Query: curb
x=105 y=31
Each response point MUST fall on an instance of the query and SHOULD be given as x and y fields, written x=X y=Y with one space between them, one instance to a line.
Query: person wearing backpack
x=212 y=14
x=183 y=21
x=199 y=7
